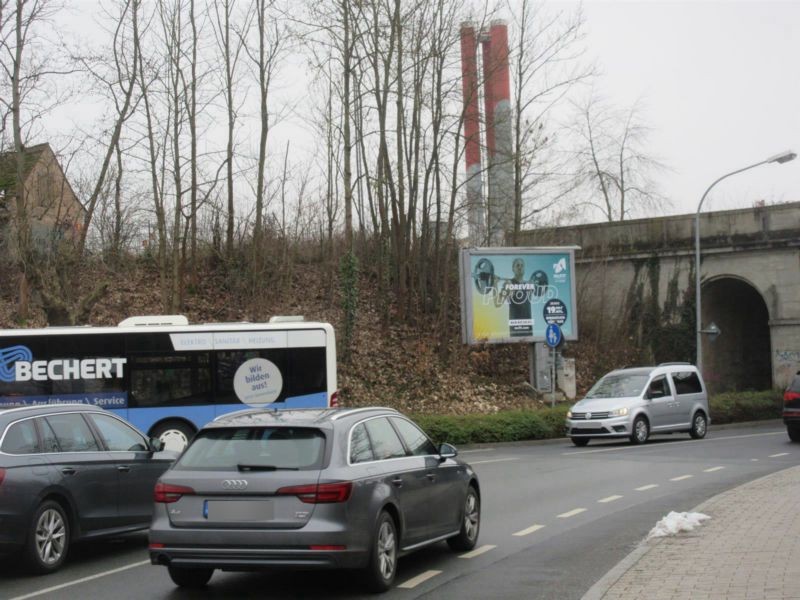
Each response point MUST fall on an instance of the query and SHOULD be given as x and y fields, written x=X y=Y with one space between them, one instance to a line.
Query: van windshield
x=618 y=385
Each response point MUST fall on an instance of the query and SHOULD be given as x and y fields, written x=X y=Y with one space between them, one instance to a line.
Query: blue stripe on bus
x=199 y=415
x=145 y=418
x=102 y=399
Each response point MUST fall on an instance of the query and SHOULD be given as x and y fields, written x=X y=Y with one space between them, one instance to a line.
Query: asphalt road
x=555 y=519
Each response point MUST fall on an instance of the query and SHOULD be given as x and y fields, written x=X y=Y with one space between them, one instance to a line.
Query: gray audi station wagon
x=331 y=488
x=72 y=472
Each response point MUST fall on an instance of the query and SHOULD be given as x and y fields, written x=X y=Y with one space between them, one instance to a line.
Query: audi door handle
x=68 y=471
x=397 y=481
x=123 y=468
x=431 y=476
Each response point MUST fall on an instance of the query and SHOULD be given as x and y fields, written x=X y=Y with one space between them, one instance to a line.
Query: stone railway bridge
x=750 y=272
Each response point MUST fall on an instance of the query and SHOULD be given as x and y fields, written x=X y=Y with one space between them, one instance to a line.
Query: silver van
x=636 y=402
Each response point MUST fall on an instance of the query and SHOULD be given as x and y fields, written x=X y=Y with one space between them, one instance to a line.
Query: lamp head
x=783 y=157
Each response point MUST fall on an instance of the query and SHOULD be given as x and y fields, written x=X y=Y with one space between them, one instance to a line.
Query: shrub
x=737 y=407
x=545 y=423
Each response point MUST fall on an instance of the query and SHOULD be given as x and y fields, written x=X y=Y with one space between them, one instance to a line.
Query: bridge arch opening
x=740 y=358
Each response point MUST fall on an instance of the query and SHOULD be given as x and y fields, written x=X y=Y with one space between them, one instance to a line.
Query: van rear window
x=254 y=449
x=687 y=382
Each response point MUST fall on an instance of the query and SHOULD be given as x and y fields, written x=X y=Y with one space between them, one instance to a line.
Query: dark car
x=333 y=488
x=72 y=472
x=791 y=409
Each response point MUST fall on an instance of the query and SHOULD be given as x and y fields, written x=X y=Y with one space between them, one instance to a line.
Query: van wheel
x=793 y=429
x=189 y=578
x=580 y=442
x=699 y=426
x=382 y=565
x=48 y=538
x=470 y=524
x=176 y=435
x=641 y=430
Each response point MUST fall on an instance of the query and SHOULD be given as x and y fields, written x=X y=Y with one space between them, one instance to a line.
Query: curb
x=605 y=583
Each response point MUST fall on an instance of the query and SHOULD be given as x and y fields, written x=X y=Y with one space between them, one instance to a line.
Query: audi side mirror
x=156 y=444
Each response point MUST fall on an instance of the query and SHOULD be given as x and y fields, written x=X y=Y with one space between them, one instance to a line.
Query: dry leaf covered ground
x=393 y=365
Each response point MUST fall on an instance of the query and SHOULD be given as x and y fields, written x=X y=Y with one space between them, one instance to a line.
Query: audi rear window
x=795 y=385
x=254 y=449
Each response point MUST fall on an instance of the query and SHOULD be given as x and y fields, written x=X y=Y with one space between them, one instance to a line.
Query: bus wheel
x=175 y=434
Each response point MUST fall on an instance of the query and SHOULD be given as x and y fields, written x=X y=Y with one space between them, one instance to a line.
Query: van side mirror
x=156 y=444
x=448 y=451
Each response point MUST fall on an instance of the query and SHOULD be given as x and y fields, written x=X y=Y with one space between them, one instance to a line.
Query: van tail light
x=335 y=399
x=165 y=493
x=322 y=493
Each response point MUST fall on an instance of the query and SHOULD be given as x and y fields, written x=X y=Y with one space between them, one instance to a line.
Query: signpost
x=553 y=338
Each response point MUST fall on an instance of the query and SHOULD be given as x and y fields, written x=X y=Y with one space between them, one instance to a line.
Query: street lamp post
x=781 y=158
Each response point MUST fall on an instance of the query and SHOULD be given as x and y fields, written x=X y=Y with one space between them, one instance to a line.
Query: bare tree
x=230 y=47
x=546 y=63
x=612 y=160
x=265 y=61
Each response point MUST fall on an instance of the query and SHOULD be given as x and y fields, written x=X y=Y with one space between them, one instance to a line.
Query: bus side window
x=170 y=380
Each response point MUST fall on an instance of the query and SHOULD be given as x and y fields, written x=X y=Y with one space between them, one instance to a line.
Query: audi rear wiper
x=265 y=468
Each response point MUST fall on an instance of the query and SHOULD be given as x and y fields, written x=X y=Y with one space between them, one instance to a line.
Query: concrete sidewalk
x=750 y=548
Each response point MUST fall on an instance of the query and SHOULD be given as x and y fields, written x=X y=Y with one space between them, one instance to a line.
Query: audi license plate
x=237 y=510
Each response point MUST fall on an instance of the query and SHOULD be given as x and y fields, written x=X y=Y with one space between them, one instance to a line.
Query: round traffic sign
x=552 y=335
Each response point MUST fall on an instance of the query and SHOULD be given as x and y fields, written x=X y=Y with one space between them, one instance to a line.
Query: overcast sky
x=721 y=87
x=718 y=80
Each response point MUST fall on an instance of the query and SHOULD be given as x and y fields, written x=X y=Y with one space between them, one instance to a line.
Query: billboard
x=511 y=295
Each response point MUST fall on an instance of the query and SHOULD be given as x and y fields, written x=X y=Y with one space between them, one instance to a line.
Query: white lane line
x=478 y=551
x=493 y=460
x=609 y=499
x=82 y=580
x=476 y=450
x=571 y=513
x=777 y=455
x=528 y=531
x=712 y=469
x=647 y=487
x=681 y=478
x=421 y=578
x=671 y=444
x=753 y=460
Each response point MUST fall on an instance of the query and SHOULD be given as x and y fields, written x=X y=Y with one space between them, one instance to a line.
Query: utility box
x=565 y=377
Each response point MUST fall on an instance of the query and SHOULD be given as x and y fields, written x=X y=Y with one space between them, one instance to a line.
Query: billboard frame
x=466 y=294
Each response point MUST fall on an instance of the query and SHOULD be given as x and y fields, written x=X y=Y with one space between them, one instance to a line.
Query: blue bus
x=167 y=377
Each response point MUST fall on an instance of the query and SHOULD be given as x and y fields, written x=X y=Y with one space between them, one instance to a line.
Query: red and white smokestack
x=497 y=99
x=472 y=139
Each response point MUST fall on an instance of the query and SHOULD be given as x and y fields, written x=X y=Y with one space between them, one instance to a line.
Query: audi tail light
x=790 y=396
x=319 y=493
x=165 y=493
x=2 y=475
x=335 y=399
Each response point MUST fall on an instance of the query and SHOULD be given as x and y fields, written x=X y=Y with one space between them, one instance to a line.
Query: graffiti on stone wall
x=787 y=363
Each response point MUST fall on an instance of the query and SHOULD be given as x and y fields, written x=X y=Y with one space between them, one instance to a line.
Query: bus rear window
x=254 y=448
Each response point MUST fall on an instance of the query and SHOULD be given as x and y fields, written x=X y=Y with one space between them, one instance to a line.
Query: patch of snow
x=676 y=522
